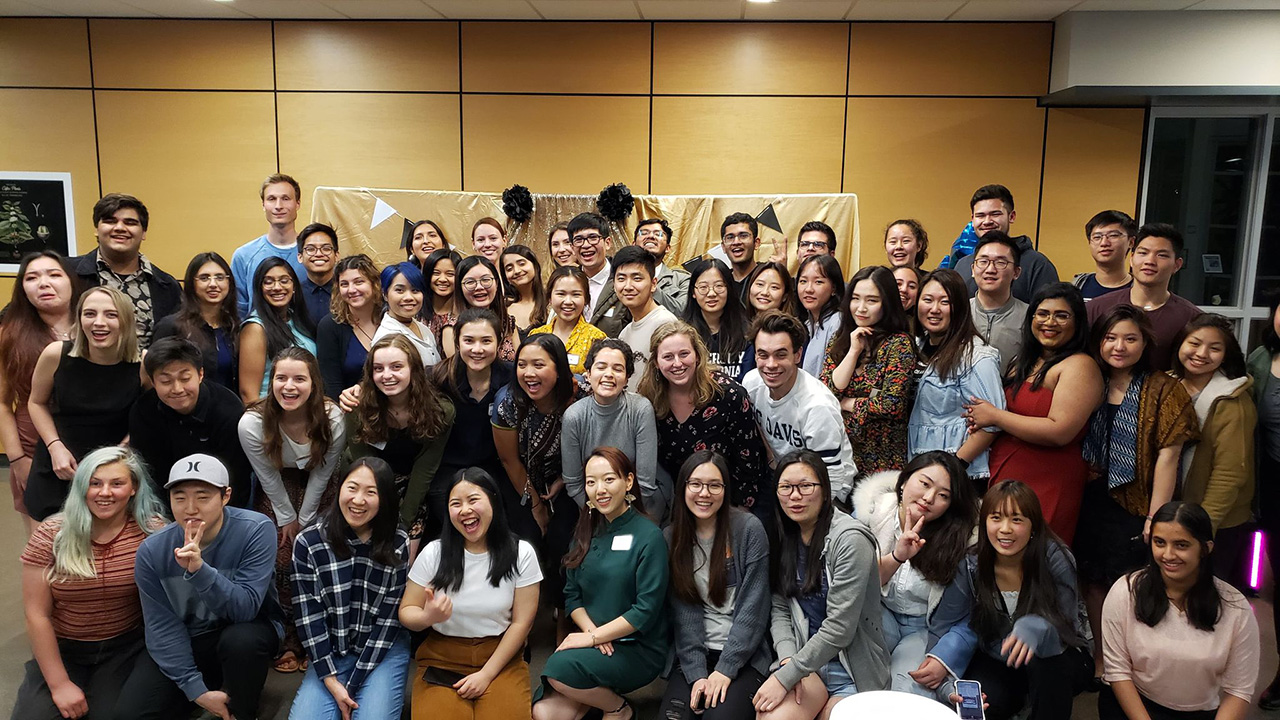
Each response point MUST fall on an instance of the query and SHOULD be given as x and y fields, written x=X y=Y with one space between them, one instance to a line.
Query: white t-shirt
x=638 y=334
x=479 y=608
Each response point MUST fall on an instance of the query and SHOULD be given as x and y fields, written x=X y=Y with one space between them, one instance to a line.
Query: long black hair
x=563 y=392
x=384 y=523
x=1233 y=362
x=782 y=557
x=684 y=535
x=503 y=545
x=830 y=269
x=733 y=321
x=893 y=319
x=947 y=536
x=275 y=326
x=189 y=320
x=1031 y=352
x=450 y=374
x=1146 y=585
x=536 y=288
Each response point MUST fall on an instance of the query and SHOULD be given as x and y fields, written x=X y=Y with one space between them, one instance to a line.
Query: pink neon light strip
x=1254 y=580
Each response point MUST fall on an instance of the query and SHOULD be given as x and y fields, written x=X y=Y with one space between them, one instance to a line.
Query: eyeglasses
x=812 y=244
x=696 y=487
x=206 y=279
x=592 y=239
x=805 y=489
x=740 y=237
x=272 y=282
x=650 y=232
x=999 y=263
x=484 y=282
x=1061 y=316
x=1112 y=236
x=314 y=250
x=710 y=288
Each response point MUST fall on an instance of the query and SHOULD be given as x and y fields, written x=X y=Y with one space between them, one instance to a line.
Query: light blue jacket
x=937 y=417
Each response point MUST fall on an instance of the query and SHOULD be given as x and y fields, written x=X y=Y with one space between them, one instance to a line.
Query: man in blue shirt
x=318 y=253
x=281 y=197
x=212 y=620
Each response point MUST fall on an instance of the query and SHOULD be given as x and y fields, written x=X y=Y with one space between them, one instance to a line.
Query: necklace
x=359 y=328
x=61 y=334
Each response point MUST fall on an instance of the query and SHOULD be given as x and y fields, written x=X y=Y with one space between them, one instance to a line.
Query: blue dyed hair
x=409 y=270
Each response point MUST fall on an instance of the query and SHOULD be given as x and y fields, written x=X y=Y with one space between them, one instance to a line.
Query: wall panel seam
x=93 y=101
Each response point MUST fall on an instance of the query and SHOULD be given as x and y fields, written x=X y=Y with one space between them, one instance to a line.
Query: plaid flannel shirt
x=344 y=606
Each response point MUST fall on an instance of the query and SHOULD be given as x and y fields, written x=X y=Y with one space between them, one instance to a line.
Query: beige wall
x=191 y=115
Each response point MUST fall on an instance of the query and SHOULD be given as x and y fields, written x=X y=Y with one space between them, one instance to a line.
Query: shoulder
x=250 y=423
x=250 y=519
x=639 y=404
x=1186 y=306
x=747 y=530
x=40 y=544
x=850 y=534
x=751 y=381
x=220 y=398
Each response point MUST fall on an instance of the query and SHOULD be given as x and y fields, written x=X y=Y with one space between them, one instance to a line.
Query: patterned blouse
x=581 y=338
x=727 y=425
x=537 y=435
x=881 y=389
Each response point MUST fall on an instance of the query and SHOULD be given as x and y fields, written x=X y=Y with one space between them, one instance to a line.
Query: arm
x=781 y=630
x=751 y=608
x=239 y=597
x=386 y=623
x=1116 y=663
x=1164 y=478
x=166 y=634
x=250 y=429
x=891 y=400
x=37 y=601
x=1232 y=448
x=513 y=640
x=837 y=376
x=691 y=652
x=309 y=610
x=1067 y=414
x=330 y=350
x=319 y=477
x=1130 y=700
x=9 y=439
x=253 y=361
x=425 y=466
x=448 y=345
x=651 y=594
x=571 y=456
x=983 y=382
x=646 y=449
x=951 y=641
x=508 y=446
x=824 y=434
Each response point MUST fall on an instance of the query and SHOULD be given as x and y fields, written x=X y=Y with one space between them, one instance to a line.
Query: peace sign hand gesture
x=909 y=542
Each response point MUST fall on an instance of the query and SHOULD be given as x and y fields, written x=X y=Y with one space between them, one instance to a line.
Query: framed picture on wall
x=36 y=213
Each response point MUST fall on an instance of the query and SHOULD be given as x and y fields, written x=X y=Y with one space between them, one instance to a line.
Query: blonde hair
x=653 y=385
x=126 y=349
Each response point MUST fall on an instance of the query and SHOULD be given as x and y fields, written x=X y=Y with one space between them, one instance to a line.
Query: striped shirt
x=97 y=608
x=346 y=606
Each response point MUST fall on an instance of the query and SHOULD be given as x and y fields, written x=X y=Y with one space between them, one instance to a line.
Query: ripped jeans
x=737 y=701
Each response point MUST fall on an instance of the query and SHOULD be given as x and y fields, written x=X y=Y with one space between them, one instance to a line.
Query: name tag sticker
x=573 y=359
x=379 y=445
x=622 y=543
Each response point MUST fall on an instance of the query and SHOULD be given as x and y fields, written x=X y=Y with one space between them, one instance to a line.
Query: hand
x=858 y=341
x=980 y=414
x=771 y=694
x=18 y=473
x=956 y=700
x=349 y=399
x=289 y=533
x=439 y=606
x=473 y=686
x=848 y=404
x=340 y=696
x=716 y=688
x=577 y=640
x=188 y=556
x=553 y=490
x=215 y=701
x=542 y=516
x=930 y=674
x=1017 y=653
x=1146 y=532
x=70 y=700
x=64 y=463
x=779 y=250
x=909 y=542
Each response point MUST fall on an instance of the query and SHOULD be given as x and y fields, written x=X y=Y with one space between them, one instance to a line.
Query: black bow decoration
x=615 y=202
x=517 y=203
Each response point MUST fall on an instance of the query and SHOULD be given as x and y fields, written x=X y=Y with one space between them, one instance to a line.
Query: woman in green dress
x=615 y=592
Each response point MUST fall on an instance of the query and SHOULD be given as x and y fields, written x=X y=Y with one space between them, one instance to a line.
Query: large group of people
x=774 y=490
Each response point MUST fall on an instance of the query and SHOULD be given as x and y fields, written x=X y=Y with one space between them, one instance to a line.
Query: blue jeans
x=907 y=637
x=380 y=698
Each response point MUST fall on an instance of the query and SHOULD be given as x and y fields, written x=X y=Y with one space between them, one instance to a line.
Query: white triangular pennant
x=381 y=211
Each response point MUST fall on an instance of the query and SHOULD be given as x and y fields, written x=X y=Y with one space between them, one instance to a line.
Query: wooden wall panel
x=398 y=56
x=746 y=145
x=560 y=57
x=555 y=144
x=181 y=54
x=1092 y=162
x=44 y=52
x=751 y=58
x=923 y=158
x=950 y=58
x=371 y=139
x=196 y=160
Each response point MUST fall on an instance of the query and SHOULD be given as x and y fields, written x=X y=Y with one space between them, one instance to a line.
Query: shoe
x=1270 y=699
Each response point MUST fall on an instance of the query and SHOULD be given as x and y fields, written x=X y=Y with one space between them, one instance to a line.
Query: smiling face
x=676 y=360
x=442 y=278
x=606 y=488
x=590 y=247
x=195 y=502
x=519 y=270
x=1154 y=262
x=1122 y=345
x=426 y=240
x=1176 y=551
x=277 y=288
x=477 y=345
x=814 y=288
x=708 y=497
x=47 y=285
x=634 y=286
x=470 y=512
x=739 y=244
x=1109 y=243
x=934 y=308
x=608 y=375
x=489 y=242
x=121 y=234
x=177 y=385
x=1053 y=324
x=767 y=291
x=865 y=303
x=908 y=287
x=901 y=245
x=1008 y=530
x=1202 y=352
x=318 y=254
x=796 y=480
x=653 y=238
x=994 y=269
x=212 y=283
x=711 y=291
x=568 y=300
x=927 y=493
x=562 y=249
x=291 y=384
x=358 y=500
x=404 y=301
x=355 y=289
x=991 y=215
x=110 y=488
x=390 y=371
x=100 y=321
x=813 y=242
x=777 y=361
x=536 y=372
x=479 y=287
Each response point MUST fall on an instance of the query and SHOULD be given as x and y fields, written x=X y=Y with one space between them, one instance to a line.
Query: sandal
x=617 y=713
x=287 y=663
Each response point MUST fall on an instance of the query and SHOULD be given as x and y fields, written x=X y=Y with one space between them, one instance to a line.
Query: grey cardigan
x=748 y=640
x=852 y=629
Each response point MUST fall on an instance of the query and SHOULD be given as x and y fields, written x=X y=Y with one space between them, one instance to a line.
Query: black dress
x=90 y=404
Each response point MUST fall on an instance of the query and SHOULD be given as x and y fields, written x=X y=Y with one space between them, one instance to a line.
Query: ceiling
x=932 y=10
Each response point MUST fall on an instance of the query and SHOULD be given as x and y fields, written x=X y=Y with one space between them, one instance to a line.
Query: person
x=717 y=315
x=39 y=312
x=560 y=246
x=719 y=561
x=318 y=253
x=698 y=408
x=635 y=284
x=654 y=234
x=1133 y=445
x=120 y=222
x=488 y=238
x=526 y=296
x=991 y=208
x=279 y=320
x=794 y=410
x=1178 y=642
x=344 y=336
x=293 y=438
x=1217 y=473
x=589 y=237
x=281 y=199
x=906 y=244
x=1264 y=369
x=478 y=285
x=998 y=315
x=348 y=575
x=438 y=269
x=815 y=238
x=613 y=417
x=1110 y=234
x=1013 y=612
x=403 y=287
x=740 y=238
x=184 y=414
x=923 y=516
x=1156 y=256
x=81 y=394
x=770 y=287
x=616 y=594
x=567 y=291
x=955 y=366
x=868 y=366
x=825 y=618
x=208 y=317
x=1042 y=430
x=209 y=606
x=475 y=593
x=83 y=616
x=403 y=419
x=425 y=238
x=819 y=288
x=908 y=280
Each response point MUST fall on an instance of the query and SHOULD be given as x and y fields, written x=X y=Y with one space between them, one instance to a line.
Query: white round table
x=885 y=704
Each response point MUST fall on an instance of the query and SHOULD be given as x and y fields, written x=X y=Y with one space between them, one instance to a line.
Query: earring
x=591 y=504
x=629 y=497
